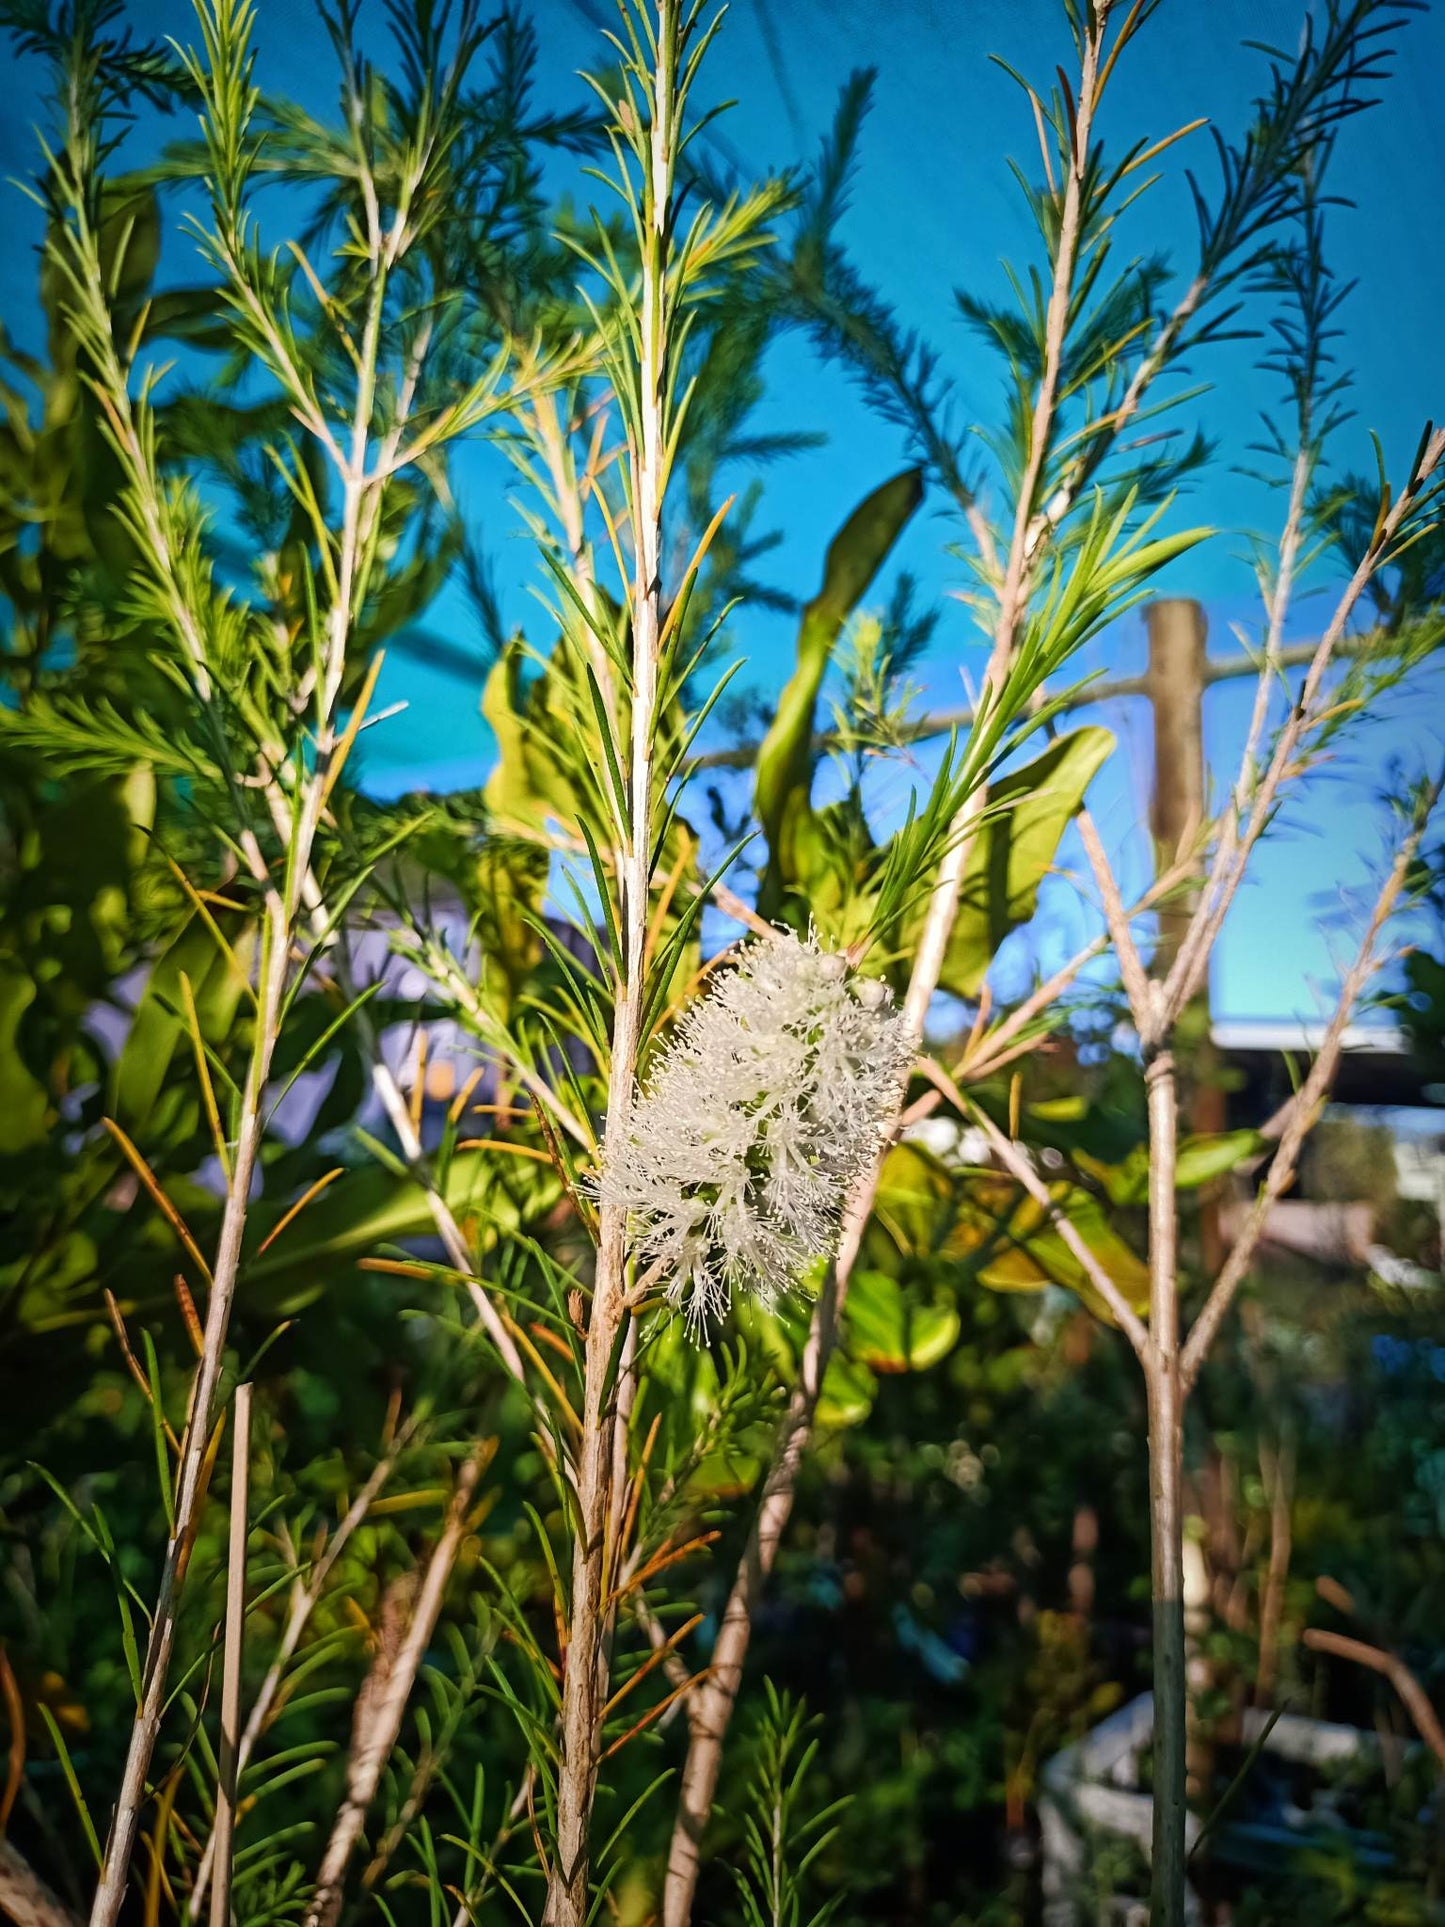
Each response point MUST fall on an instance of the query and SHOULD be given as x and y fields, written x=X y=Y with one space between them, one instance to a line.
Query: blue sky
x=936 y=209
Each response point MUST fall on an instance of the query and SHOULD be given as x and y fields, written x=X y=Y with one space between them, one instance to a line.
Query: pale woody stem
x=712 y=1703
x=281 y=914
x=1166 y=1518
x=585 y=1678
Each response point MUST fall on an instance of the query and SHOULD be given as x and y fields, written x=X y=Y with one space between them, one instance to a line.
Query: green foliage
x=199 y=572
x=1029 y=810
x=783 y=779
x=782 y=1837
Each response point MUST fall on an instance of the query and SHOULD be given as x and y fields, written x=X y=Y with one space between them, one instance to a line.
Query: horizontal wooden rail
x=942 y=722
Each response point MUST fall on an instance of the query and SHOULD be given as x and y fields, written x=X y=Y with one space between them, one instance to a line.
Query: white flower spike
x=766 y=1104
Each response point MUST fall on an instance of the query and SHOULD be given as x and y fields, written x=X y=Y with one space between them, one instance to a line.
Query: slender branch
x=712 y=1701
x=1306 y=1106
x=1189 y=967
x=1016 y=1163
x=379 y=1713
x=1412 y=1694
x=674 y=1670
x=304 y=1600
x=282 y=907
x=1165 y=1399
x=1104 y=436
x=1277 y=601
x=1028 y=531
x=733 y=907
x=126 y=1819
x=584 y=1686
x=987 y=1054
x=1138 y=989
x=24 y=1896
x=228 y=1775
x=567 y=496
x=1277 y=1469
x=384 y=1083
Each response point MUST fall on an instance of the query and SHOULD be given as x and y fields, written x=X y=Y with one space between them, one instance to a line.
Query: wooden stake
x=1175 y=682
x=1178 y=673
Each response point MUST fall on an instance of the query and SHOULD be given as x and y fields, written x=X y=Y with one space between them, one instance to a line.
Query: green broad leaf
x=372 y=1207
x=837 y=872
x=1061 y=1110
x=158 y=1031
x=849 y=1389
x=772 y=1336
x=915 y=1209
x=1014 y=851
x=723 y=1475
x=1107 y=1124
x=193 y=315
x=889 y=1331
x=1201 y=1160
x=1037 y=1256
x=522 y=792
x=784 y=780
x=24 y=1106
x=407 y=590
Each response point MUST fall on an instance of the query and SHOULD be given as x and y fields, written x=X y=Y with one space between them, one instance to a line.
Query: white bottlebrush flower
x=767 y=1102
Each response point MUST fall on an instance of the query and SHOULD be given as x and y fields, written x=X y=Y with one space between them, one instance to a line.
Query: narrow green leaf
x=620 y=796
x=63 y=1753
x=158 y=1429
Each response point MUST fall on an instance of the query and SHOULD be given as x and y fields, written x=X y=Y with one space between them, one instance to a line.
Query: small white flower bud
x=872 y=994
x=764 y=1107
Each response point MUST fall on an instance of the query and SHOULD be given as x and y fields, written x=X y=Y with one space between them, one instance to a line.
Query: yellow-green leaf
x=892 y=1330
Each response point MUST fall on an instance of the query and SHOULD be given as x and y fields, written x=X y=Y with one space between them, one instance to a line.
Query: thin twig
x=380 y=1714
x=1137 y=987
x=1243 y=830
x=228 y=1774
x=194 y=1443
x=939 y=723
x=1015 y=1162
x=1165 y=1393
x=1306 y=1106
x=584 y=1685
x=304 y=1600
x=282 y=908
x=1277 y=1469
x=1391 y=1667
x=24 y=1896
x=712 y=1700
x=991 y=1050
